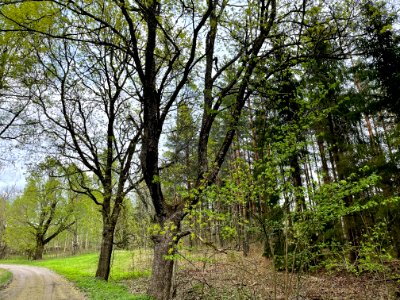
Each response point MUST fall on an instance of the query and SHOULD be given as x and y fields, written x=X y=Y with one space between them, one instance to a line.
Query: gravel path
x=35 y=283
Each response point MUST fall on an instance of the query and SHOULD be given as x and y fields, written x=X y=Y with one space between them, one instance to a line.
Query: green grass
x=81 y=270
x=5 y=277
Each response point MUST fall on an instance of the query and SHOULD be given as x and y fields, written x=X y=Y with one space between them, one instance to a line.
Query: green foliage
x=128 y=226
x=217 y=213
x=4 y=207
x=314 y=239
x=5 y=277
x=305 y=175
x=330 y=198
x=37 y=216
x=382 y=44
x=374 y=250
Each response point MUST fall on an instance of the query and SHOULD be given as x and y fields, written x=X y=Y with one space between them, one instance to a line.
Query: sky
x=12 y=177
x=12 y=167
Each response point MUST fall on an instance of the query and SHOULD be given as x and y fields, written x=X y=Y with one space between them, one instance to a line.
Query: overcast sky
x=12 y=167
x=12 y=176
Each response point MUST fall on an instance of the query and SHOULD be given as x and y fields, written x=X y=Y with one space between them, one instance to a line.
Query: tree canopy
x=250 y=114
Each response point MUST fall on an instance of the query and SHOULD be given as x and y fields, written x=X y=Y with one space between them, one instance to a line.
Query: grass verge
x=5 y=278
x=81 y=270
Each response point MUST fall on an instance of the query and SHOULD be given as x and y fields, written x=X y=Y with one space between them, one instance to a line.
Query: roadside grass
x=81 y=269
x=5 y=277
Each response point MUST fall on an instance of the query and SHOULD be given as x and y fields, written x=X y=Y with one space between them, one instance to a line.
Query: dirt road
x=35 y=283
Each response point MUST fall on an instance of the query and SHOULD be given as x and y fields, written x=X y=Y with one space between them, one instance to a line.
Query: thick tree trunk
x=38 y=250
x=103 y=267
x=162 y=274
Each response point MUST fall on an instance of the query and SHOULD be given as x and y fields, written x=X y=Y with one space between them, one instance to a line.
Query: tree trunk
x=246 y=243
x=297 y=182
x=325 y=169
x=38 y=255
x=75 y=242
x=353 y=233
x=162 y=274
x=394 y=229
x=103 y=267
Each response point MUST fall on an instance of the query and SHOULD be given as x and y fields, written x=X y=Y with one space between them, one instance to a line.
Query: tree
x=377 y=73
x=179 y=173
x=77 y=88
x=86 y=232
x=381 y=43
x=162 y=69
x=13 y=98
x=92 y=120
x=4 y=202
x=17 y=72
x=169 y=47
x=39 y=215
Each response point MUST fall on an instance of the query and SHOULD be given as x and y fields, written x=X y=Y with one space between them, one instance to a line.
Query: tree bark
x=75 y=243
x=103 y=267
x=39 y=249
x=161 y=282
x=322 y=152
x=297 y=182
x=162 y=274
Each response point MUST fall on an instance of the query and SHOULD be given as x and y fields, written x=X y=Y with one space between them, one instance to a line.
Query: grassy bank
x=5 y=277
x=81 y=269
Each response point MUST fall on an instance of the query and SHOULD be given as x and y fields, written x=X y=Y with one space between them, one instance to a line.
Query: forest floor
x=231 y=276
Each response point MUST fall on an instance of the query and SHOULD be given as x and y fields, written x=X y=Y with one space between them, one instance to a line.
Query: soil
x=36 y=283
x=232 y=276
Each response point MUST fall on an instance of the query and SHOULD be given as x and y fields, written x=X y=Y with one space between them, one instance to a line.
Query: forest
x=202 y=132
